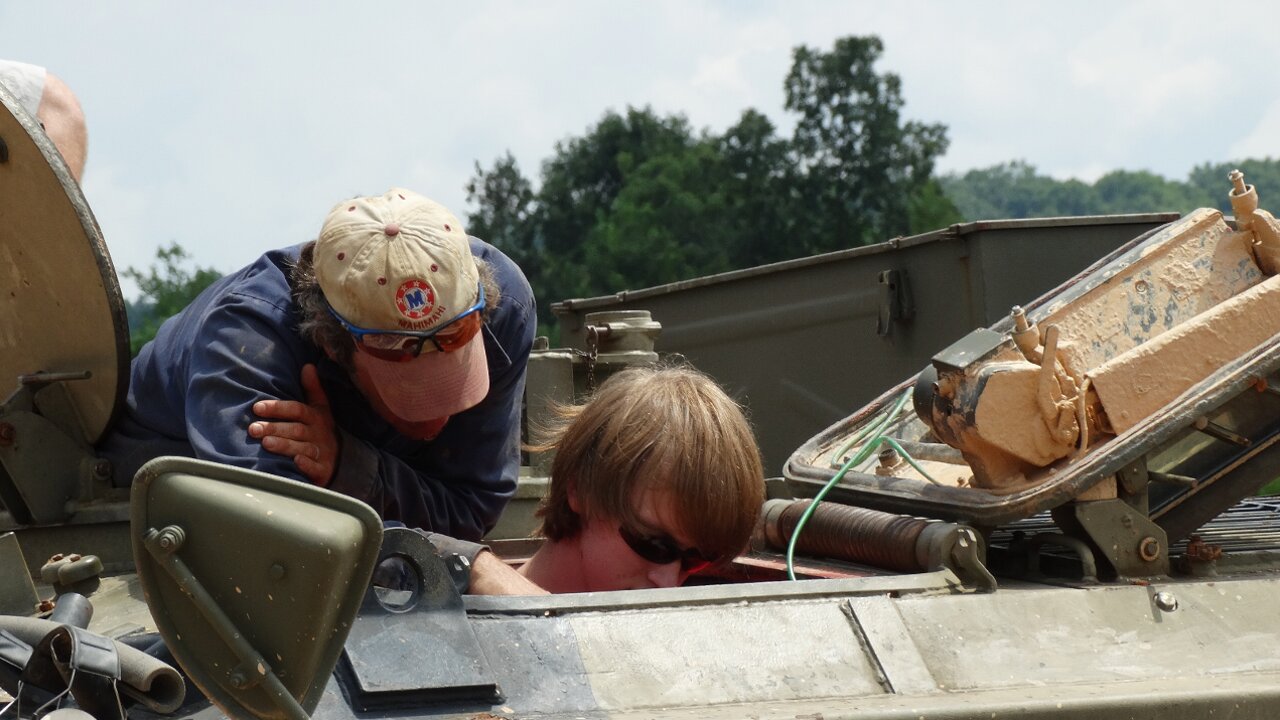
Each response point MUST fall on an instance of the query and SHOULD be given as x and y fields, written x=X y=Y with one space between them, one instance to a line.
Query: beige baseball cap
x=401 y=263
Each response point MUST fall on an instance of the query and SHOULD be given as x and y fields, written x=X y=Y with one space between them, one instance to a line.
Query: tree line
x=642 y=199
x=1016 y=190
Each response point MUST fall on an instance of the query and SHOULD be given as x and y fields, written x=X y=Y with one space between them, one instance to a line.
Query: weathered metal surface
x=102 y=527
x=61 y=310
x=811 y=323
x=17 y=592
x=558 y=682
x=1202 y=278
x=923 y=645
x=1047 y=643
x=382 y=665
x=251 y=578
x=660 y=658
x=1233 y=475
x=1113 y=634
x=1098 y=358
x=43 y=468
x=1025 y=651
x=64 y=346
x=1231 y=385
x=1185 y=269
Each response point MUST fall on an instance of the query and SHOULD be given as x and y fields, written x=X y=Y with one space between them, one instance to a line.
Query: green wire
x=910 y=460
x=861 y=455
x=857 y=437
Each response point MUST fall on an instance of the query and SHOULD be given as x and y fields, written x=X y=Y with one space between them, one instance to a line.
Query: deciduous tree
x=166 y=287
x=863 y=167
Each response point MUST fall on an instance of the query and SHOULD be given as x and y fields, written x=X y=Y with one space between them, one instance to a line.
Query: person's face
x=424 y=430
x=609 y=563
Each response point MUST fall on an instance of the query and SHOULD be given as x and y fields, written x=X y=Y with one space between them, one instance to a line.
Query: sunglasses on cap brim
x=402 y=346
x=663 y=550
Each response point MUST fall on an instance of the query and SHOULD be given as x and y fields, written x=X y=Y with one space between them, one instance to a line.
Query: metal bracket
x=958 y=548
x=1124 y=537
x=1132 y=482
x=896 y=303
x=163 y=545
x=423 y=650
x=1031 y=549
x=46 y=466
x=17 y=592
x=41 y=469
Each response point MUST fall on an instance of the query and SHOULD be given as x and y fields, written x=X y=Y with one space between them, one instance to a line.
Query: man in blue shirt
x=386 y=360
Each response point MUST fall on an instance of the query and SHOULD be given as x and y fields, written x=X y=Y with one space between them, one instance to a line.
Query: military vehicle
x=1052 y=518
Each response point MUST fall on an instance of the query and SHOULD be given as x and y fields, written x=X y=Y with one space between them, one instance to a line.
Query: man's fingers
x=284 y=446
x=283 y=410
x=312 y=387
x=286 y=430
x=316 y=471
x=316 y=406
x=307 y=432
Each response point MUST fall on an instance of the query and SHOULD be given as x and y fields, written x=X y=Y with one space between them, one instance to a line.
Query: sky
x=232 y=127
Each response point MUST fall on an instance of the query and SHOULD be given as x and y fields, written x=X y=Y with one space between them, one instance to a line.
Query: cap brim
x=433 y=385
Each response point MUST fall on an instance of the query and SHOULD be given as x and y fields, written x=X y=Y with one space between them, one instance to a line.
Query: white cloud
x=121 y=212
x=232 y=127
x=1263 y=139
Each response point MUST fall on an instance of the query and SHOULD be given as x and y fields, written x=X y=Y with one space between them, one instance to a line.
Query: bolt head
x=1149 y=549
x=1166 y=601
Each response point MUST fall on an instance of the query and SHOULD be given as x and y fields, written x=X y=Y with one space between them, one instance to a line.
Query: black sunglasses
x=663 y=550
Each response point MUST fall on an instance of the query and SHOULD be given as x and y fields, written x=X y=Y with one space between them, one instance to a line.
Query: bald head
x=63 y=122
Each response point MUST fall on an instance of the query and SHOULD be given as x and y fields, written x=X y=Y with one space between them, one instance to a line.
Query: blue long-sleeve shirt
x=192 y=391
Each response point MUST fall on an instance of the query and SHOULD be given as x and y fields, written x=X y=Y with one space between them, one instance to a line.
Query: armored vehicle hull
x=1129 y=576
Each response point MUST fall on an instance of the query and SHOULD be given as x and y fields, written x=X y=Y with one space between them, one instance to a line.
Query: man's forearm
x=491 y=576
x=399 y=491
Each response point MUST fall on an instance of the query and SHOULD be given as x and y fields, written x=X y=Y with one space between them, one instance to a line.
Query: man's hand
x=491 y=576
x=308 y=434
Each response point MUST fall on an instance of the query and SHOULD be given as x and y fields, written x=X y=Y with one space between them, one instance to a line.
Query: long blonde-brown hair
x=666 y=428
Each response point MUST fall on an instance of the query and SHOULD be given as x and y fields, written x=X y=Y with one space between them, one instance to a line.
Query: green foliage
x=166 y=288
x=1015 y=190
x=1211 y=181
x=929 y=209
x=760 y=190
x=1122 y=191
x=505 y=203
x=642 y=199
x=863 y=167
x=667 y=222
x=579 y=198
